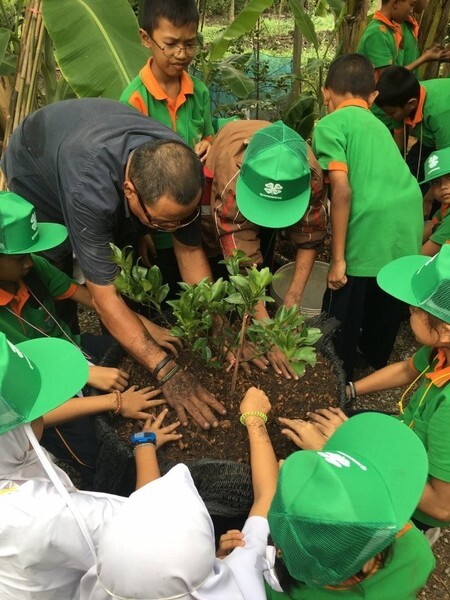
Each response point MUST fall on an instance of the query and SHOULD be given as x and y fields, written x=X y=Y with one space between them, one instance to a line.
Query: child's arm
x=340 y=210
x=262 y=457
x=436 y=52
x=147 y=467
x=430 y=248
x=133 y=404
x=392 y=376
x=435 y=500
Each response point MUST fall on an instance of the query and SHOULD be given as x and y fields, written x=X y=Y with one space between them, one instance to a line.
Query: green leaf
x=234 y=299
x=97 y=44
x=238 y=83
x=4 y=41
x=336 y=6
x=304 y=23
x=243 y=23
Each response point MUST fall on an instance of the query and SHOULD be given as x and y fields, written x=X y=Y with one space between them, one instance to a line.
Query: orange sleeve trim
x=69 y=293
x=137 y=101
x=411 y=364
x=335 y=165
x=406 y=528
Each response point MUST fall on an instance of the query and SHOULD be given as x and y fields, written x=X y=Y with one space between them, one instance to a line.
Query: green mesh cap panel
x=273 y=135
x=321 y=553
x=9 y=418
x=438 y=304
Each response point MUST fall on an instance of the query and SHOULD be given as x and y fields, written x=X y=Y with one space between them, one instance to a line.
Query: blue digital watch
x=143 y=437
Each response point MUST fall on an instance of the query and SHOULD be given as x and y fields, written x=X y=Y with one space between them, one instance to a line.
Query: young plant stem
x=239 y=351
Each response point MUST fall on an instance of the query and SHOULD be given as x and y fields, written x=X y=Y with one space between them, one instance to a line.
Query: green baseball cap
x=37 y=376
x=336 y=509
x=437 y=164
x=273 y=187
x=20 y=233
x=420 y=281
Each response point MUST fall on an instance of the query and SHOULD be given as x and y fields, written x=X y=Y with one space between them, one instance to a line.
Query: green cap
x=437 y=164
x=37 y=376
x=420 y=281
x=273 y=187
x=336 y=509
x=20 y=233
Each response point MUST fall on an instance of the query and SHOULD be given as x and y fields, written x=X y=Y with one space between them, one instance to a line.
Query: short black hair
x=351 y=74
x=169 y=168
x=396 y=86
x=177 y=12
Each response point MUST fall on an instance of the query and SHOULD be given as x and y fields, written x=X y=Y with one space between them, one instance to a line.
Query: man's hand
x=136 y=403
x=146 y=249
x=336 y=275
x=327 y=420
x=230 y=540
x=185 y=394
x=280 y=364
x=304 y=435
x=107 y=379
x=162 y=336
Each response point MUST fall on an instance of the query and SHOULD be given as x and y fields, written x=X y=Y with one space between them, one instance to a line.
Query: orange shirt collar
x=353 y=102
x=396 y=27
x=17 y=300
x=419 y=111
x=152 y=84
x=441 y=374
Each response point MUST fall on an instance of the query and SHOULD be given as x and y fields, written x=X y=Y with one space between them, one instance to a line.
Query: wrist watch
x=143 y=437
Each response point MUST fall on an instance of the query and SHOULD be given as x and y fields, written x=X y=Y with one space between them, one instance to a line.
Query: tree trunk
x=297 y=61
x=231 y=11
x=353 y=24
x=433 y=29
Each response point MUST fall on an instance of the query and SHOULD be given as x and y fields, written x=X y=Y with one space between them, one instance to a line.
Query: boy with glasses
x=165 y=91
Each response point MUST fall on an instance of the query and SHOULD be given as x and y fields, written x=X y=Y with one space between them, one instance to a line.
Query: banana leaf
x=97 y=44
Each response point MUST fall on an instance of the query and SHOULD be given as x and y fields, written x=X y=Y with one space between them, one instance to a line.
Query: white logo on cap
x=273 y=189
x=433 y=161
x=33 y=221
x=340 y=459
x=18 y=352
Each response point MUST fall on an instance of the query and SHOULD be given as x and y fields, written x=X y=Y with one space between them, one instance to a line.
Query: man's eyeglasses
x=170 y=50
x=168 y=226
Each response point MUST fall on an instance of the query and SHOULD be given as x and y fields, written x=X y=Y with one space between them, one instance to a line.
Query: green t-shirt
x=410 y=47
x=403 y=575
x=386 y=219
x=434 y=128
x=441 y=226
x=428 y=415
x=47 y=282
x=378 y=44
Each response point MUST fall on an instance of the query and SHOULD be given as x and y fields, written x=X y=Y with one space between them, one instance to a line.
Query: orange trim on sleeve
x=69 y=293
x=406 y=528
x=411 y=364
x=137 y=101
x=418 y=116
x=353 y=102
x=335 y=165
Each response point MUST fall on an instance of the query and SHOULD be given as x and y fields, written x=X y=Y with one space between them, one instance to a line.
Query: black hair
x=396 y=86
x=351 y=74
x=166 y=168
x=177 y=12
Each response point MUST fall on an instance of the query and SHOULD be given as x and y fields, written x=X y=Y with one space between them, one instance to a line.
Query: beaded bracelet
x=162 y=363
x=253 y=413
x=118 y=400
x=351 y=385
x=143 y=444
x=169 y=375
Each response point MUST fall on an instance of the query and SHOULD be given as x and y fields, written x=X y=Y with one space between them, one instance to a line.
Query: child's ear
x=445 y=334
x=371 y=98
x=145 y=38
x=326 y=96
x=412 y=104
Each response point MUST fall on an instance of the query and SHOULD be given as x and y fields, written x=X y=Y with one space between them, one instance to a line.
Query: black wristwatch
x=143 y=437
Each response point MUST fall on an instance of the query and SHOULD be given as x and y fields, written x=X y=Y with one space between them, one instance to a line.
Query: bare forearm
x=147 y=467
x=79 y=407
x=434 y=503
x=304 y=262
x=392 y=376
x=192 y=262
x=263 y=464
x=83 y=296
x=340 y=213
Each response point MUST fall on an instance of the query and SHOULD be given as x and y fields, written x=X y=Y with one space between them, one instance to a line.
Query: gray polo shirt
x=68 y=159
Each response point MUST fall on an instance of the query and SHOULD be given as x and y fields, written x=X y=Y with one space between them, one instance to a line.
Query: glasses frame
x=154 y=225
x=178 y=49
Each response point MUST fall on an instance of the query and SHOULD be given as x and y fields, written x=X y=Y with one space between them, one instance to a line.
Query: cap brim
x=63 y=371
x=395 y=451
x=432 y=176
x=396 y=277
x=50 y=235
x=271 y=213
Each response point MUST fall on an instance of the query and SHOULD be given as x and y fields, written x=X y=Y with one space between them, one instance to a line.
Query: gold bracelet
x=118 y=400
x=253 y=413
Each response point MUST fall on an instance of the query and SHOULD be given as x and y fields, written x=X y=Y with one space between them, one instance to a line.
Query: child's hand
x=327 y=420
x=135 y=403
x=436 y=52
x=255 y=400
x=146 y=249
x=336 y=275
x=162 y=336
x=107 y=379
x=163 y=434
x=202 y=149
x=304 y=435
x=230 y=540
